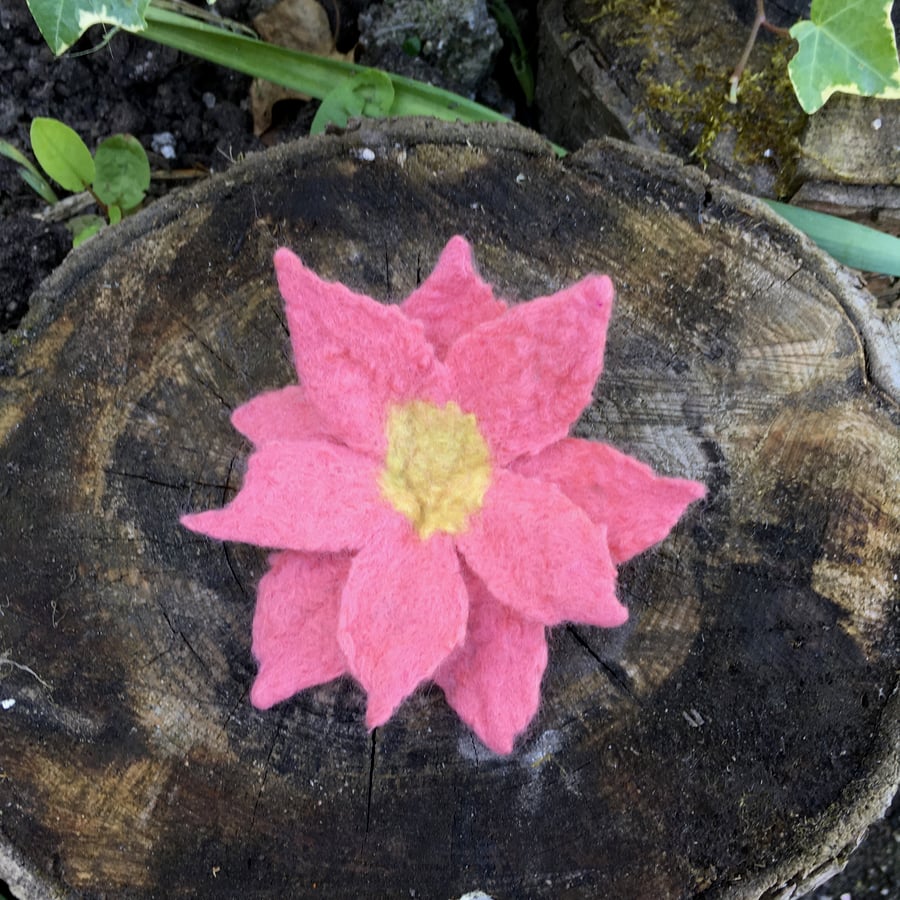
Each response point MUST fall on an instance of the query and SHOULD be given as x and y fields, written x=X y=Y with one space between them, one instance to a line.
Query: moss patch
x=679 y=59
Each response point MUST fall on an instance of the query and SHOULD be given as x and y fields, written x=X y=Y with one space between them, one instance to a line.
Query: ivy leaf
x=848 y=46
x=63 y=155
x=365 y=93
x=62 y=22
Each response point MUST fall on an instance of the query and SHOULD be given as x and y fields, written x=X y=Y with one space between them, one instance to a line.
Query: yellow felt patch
x=437 y=468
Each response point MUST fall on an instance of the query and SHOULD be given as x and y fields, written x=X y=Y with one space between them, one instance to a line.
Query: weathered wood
x=733 y=740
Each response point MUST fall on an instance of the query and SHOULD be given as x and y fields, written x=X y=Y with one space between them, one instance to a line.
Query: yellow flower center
x=437 y=468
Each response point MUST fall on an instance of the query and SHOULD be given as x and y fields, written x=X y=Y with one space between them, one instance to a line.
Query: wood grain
x=734 y=739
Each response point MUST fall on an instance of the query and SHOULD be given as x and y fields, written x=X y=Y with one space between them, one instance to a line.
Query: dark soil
x=133 y=86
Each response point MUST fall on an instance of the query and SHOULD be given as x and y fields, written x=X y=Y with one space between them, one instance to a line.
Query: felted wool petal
x=541 y=555
x=295 y=625
x=403 y=612
x=638 y=507
x=354 y=356
x=282 y=415
x=311 y=496
x=452 y=299
x=528 y=375
x=493 y=679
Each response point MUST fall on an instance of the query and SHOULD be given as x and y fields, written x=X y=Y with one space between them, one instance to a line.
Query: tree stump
x=734 y=739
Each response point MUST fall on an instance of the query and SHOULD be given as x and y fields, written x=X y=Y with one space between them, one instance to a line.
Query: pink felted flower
x=431 y=514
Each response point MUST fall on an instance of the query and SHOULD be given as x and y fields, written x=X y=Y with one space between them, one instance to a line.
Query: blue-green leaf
x=848 y=242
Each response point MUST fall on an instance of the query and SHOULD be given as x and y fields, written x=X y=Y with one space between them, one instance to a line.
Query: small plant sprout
x=759 y=21
x=116 y=176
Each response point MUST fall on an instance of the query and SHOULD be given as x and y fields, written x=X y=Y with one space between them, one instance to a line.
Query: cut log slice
x=733 y=739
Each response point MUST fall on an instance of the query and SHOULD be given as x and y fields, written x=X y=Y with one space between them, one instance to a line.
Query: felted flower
x=431 y=514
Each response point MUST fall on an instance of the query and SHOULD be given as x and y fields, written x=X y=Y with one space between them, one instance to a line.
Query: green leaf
x=62 y=154
x=122 y=172
x=29 y=173
x=850 y=243
x=83 y=227
x=365 y=93
x=412 y=46
x=847 y=46
x=62 y=22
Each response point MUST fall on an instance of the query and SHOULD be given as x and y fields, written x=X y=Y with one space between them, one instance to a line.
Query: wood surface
x=734 y=739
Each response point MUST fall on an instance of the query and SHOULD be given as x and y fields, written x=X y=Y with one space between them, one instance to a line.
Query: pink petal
x=638 y=507
x=295 y=625
x=281 y=415
x=403 y=612
x=541 y=555
x=312 y=496
x=453 y=299
x=354 y=355
x=528 y=375
x=493 y=679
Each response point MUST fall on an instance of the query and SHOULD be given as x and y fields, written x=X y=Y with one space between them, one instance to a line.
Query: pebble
x=163 y=143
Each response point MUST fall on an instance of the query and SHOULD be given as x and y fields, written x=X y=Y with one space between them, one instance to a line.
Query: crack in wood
x=150 y=480
x=227 y=486
x=231 y=569
x=371 y=786
x=474 y=743
x=618 y=678
x=210 y=349
x=203 y=664
x=177 y=632
x=209 y=387
x=237 y=705
x=165 y=616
